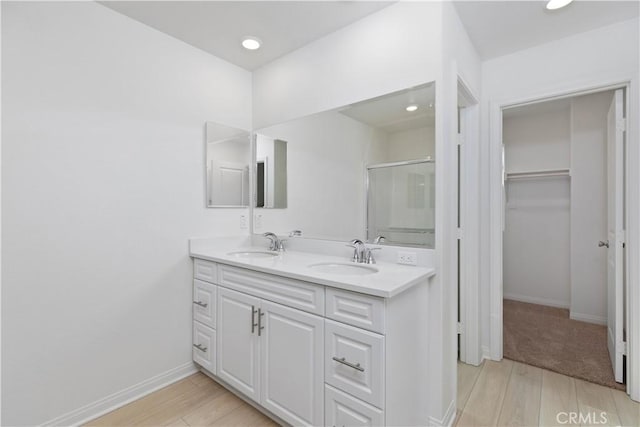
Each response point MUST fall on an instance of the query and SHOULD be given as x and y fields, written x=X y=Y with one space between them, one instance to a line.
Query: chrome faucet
x=361 y=253
x=275 y=244
x=359 y=250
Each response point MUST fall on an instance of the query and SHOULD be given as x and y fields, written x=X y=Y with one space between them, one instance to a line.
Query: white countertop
x=390 y=280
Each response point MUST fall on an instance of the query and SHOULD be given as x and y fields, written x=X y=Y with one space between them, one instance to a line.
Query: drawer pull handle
x=253 y=318
x=260 y=327
x=200 y=347
x=357 y=366
x=201 y=304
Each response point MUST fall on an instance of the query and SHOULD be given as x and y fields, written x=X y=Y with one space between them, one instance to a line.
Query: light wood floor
x=494 y=394
x=194 y=401
x=510 y=393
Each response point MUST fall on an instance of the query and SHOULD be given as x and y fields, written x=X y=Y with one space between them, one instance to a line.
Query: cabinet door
x=238 y=342
x=292 y=364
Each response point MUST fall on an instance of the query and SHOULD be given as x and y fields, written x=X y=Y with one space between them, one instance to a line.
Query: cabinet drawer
x=204 y=346
x=354 y=362
x=341 y=409
x=363 y=311
x=205 y=270
x=289 y=292
x=204 y=303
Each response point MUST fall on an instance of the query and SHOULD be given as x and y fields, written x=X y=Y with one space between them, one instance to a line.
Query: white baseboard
x=600 y=320
x=536 y=300
x=447 y=420
x=121 y=398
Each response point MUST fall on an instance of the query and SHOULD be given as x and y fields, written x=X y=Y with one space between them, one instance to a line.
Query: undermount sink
x=253 y=254
x=343 y=268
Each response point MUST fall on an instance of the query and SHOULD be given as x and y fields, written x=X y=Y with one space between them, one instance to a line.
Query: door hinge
x=459 y=234
x=459 y=328
x=624 y=348
x=622 y=125
x=460 y=139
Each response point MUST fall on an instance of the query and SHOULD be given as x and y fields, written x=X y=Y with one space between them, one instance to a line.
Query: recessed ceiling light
x=251 y=43
x=557 y=4
x=411 y=108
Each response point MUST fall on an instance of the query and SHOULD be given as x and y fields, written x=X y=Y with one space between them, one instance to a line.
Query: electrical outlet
x=407 y=258
x=258 y=222
x=243 y=222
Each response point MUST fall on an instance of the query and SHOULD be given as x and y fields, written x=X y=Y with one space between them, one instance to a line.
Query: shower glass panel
x=401 y=203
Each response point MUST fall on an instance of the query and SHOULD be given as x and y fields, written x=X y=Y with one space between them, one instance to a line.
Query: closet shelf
x=539 y=174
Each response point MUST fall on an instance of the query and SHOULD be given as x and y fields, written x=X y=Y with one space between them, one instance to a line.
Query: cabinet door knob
x=201 y=304
x=200 y=347
x=601 y=244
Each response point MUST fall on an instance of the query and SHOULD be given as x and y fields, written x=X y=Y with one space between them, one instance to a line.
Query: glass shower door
x=401 y=203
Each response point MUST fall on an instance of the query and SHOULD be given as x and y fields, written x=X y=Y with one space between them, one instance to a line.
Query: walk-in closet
x=556 y=225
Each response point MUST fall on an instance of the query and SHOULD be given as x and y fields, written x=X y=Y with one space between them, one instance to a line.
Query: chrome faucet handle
x=274 y=241
x=295 y=233
x=369 y=259
x=379 y=239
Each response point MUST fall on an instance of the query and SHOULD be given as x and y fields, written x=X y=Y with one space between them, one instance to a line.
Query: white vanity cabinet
x=204 y=315
x=312 y=354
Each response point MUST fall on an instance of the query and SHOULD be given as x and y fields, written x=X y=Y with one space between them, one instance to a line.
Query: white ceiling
x=498 y=28
x=389 y=112
x=218 y=27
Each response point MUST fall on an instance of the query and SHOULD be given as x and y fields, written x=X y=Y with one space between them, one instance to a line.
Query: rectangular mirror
x=271 y=172
x=329 y=157
x=228 y=156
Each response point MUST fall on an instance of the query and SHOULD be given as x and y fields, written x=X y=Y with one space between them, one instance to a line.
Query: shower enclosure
x=401 y=203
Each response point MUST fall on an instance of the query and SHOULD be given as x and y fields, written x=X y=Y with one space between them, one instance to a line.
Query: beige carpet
x=545 y=337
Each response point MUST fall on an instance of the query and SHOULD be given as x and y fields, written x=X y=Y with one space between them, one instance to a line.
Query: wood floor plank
x=245 y=416
x=595 y=405
x=558 y=398
x=180 y=406
x=467 y=376
x=212 y=411
x=485 y=401
x=521 y=405
x=177 y=423
x=628 y=410
x=148 y=404
x=200 y=379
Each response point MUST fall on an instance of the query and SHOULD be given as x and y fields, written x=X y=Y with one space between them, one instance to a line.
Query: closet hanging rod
x=539 y=174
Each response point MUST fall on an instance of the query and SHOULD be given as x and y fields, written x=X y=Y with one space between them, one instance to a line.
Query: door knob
x=601 y=244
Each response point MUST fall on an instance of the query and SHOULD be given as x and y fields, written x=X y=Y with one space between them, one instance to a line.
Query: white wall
x=411 y=144
x=103 y=183
x=537 y=258
x=459 y=60
x=537 y=141
x=602 y=56
x=393 y=49
x=537 y=241
x=589 y=206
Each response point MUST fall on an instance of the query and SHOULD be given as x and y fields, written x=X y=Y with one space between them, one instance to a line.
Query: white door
x=615 y=232
x=238 y=341
x=292 y=366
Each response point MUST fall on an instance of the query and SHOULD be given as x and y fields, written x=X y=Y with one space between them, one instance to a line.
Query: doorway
x=563 y=250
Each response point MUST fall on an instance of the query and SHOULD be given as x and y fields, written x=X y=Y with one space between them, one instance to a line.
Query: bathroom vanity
x=313 y=339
